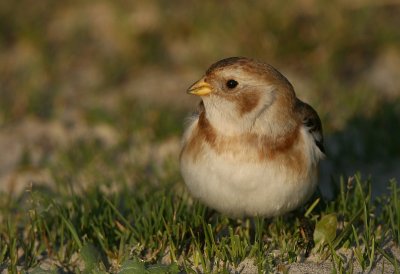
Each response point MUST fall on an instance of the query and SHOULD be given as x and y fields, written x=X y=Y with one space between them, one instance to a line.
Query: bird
x=252 y=148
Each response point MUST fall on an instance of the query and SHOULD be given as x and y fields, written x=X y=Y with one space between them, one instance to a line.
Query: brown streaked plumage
x=253 y=147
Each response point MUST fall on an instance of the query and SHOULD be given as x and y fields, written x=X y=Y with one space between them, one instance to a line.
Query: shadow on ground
x=369 y=145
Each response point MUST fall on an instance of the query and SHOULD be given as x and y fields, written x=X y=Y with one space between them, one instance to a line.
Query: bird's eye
x=231 y=84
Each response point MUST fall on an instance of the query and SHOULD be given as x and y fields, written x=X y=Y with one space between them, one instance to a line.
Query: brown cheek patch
x=244 y=101
x=247 y=101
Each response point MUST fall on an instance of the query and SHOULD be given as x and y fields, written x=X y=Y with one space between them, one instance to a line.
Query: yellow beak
x=200 y=88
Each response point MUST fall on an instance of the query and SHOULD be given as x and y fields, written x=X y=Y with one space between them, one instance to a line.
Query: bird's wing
x=311 y=121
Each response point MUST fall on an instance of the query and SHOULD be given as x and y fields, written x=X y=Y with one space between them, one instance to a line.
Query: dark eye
x=231 y=84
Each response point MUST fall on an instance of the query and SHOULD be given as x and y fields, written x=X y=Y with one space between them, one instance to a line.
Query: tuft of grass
x=160 y=226
x=393 y=210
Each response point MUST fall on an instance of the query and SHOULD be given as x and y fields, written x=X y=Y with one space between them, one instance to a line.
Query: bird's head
x=237 y=90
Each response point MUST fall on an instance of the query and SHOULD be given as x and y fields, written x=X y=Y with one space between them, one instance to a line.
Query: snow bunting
x=252 y=148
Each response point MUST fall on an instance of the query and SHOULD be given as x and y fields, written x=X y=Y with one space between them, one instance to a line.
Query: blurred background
x=93 y=92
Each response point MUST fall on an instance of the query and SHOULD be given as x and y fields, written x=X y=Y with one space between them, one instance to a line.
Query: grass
x=157 y=226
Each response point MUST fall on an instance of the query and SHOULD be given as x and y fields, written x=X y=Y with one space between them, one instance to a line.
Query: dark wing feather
x=311 y=121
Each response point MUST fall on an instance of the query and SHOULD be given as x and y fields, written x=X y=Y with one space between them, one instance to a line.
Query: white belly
x=238 y=188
